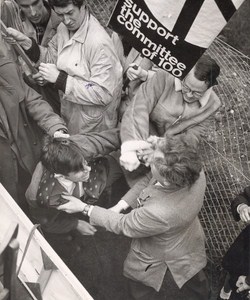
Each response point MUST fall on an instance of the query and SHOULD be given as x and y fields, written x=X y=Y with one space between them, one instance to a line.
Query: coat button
x=34 y=143
x=25 y=124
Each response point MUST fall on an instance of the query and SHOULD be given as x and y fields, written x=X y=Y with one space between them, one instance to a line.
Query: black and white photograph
x=124 y=150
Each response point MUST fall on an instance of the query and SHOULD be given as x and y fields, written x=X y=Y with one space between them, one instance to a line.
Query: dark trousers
x=197 y=288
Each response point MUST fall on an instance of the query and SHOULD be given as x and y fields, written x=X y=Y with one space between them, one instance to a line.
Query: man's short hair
x=61 y=155
x=206 y=69
x=181 y=164
x=64 y=3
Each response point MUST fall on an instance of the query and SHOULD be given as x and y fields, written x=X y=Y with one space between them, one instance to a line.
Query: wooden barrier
x=41 y=268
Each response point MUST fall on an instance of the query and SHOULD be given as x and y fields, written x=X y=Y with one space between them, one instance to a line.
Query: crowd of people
x=96 y=110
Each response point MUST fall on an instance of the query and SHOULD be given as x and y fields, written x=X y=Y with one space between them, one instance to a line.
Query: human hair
x=64 y=3
x=61 y=155
x=181 y=163
x=206 y=69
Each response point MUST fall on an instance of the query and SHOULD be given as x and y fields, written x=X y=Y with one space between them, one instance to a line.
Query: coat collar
x=81 y=34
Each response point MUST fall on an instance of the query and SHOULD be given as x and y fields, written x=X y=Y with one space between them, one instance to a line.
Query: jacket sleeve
x=38 y=53
x=42 y=112
x=242 y=198
x=48 y=54
x=135 y=121
x=94 y=144
x=198 y=130
x=139 y=223
x=198 y=123
x=52 y=220
x=131 y=196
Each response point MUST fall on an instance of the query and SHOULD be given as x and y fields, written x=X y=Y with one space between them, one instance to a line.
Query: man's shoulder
x=97 y=33
x=164 y=76
x=214 y=96
x=161 y=81
x=214 y=99
x=61 y=28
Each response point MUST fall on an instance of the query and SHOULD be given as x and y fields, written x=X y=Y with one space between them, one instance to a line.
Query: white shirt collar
x=159 y=184
x=66 y=183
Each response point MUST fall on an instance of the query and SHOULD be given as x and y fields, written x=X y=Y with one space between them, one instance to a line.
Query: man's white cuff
x=134 y=146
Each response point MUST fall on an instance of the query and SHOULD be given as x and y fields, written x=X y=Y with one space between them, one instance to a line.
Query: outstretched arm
x=42 y=112
x=99 y=143
x=140 y=222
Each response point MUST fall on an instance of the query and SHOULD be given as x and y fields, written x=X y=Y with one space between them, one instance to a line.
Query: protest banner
x=172 y=33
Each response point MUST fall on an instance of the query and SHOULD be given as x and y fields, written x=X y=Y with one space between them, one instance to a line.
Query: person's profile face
x=80 y=176
x=34 y=10
x=71 y=15
x=192 y=88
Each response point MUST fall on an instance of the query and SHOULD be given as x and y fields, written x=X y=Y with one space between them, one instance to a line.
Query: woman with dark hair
x=81 y=62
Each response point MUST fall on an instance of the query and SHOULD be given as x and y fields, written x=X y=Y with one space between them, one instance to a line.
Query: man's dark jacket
x=20 y=136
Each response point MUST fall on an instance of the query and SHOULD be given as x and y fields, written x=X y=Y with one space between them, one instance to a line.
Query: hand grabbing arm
x=244 y=212
x=242 y=284
x=85 y=228
x=120 y=206
x=74 y=205
x=137 y=73
x=15 y=36
x=129 y=149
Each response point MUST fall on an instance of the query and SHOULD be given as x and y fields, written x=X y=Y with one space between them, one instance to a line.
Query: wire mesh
x=101 y=9
x=225 y=150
